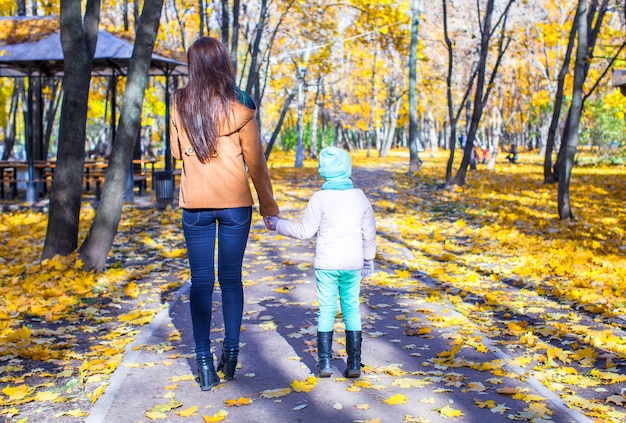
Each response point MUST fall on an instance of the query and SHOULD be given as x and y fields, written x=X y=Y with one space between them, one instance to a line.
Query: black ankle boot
x=324 y=354
x=228 y=362
x=353 y=348
x=207 y=377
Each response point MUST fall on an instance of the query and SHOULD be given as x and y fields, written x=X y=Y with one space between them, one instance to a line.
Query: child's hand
x=271 y=222
x=368 y=268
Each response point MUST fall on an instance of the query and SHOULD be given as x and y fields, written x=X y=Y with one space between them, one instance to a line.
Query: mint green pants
x=345 y=284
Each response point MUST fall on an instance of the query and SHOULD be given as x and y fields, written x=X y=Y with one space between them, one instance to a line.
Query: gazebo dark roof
x=45 y=56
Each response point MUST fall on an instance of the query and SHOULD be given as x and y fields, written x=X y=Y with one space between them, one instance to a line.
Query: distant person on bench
x=512 y=156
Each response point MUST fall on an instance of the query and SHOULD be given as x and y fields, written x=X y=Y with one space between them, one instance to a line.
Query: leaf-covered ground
x=549 y=293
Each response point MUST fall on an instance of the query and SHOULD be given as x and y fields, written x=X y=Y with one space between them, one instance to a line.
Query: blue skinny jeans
x=200 y=227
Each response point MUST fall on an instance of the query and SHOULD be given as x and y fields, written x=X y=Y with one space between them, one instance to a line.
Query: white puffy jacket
x=344 y=223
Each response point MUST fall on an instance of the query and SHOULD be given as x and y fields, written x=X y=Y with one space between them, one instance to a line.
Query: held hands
x=368 y=268
x=271 y=222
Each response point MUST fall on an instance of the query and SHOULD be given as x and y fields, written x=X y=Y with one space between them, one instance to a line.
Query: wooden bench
x=11 y=179
x=140 y=180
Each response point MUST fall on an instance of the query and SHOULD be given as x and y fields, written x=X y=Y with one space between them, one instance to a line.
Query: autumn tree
x=589 y=20
x=484 y=86
x=454 y=113
x=78 y=38
x=97 y=245
x=414 y=160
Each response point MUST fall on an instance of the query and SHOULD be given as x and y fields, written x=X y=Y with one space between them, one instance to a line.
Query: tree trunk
x=548 y=175
x=594 y=23
x=98 y=243
x=299 y=162
x=78 y=40
x=459 y=178
x=51 y=112
x=315 y=121
x=571 y=142
x=372 y=138
x=390 y=133
x=415 y=164
x=234 y=39
x=483 y=90
x=201 y=17
x=225 y=22
x=450 y=104
x=252 y=86
x=9 y=130
x=268 y=150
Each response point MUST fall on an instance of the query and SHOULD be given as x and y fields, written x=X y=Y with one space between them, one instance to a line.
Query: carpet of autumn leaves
x=549 y=293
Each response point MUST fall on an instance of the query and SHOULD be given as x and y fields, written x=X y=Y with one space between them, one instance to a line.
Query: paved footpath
x=406 y=377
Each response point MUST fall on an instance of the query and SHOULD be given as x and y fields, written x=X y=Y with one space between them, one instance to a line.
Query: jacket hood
x=243 y=109
x=334 y=163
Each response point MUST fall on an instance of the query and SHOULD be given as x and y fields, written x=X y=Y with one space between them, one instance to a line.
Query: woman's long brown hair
x=206 y=97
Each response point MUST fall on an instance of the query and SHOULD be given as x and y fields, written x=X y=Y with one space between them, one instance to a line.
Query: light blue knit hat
x=334 y=163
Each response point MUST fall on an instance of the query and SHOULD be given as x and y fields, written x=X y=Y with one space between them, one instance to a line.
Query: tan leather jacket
x=223 y=181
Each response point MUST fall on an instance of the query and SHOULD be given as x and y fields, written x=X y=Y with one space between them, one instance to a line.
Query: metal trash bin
x=164 y=186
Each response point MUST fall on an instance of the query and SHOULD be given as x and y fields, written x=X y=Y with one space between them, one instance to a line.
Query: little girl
x=343 y=219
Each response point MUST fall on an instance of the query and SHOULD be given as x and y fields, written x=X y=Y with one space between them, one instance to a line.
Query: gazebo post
x=31 y=189
x=168 y=141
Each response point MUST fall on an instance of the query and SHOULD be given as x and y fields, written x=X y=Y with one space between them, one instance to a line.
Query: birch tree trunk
x=415 y=163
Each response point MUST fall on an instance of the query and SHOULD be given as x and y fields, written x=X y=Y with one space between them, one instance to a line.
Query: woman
x=215 y=134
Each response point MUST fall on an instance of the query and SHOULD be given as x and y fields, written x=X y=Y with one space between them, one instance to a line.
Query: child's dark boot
x=324 y=354
x=353 y=348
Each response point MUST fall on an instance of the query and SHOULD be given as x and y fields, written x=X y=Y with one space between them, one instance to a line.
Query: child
x=343 y=219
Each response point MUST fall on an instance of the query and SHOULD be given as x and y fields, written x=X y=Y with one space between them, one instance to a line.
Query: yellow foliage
x=238 y=402
x=448 y=411
x=396 y=399
x=304 y=385
x=217 y=417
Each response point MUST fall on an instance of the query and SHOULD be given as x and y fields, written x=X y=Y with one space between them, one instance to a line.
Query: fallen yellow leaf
x=448 y=411
x=217 y=417
x=396 y=399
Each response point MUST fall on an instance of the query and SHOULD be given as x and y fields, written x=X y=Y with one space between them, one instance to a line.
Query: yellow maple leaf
x=396 y=399
x=131 y=290
x=155 y=415
x=539 y=409
x=73 y=413
x=448 y=411
x=408 y=382
x=183 y=378
x=485 y=404
x=217 y=417
x=175 y=253
x=46 y=396
x=304 y=385
x=238 y=402
x=16 y=393
x=188 y=412
x=97 y=393
x=362 y=406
